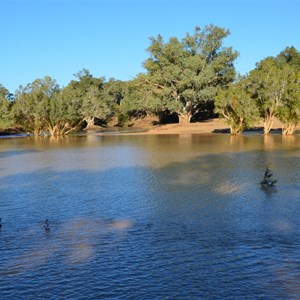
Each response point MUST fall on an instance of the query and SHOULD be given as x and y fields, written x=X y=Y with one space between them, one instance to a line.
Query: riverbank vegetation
x=187 y=80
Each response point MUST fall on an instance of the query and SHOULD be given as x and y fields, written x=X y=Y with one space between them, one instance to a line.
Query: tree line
x=192 y=79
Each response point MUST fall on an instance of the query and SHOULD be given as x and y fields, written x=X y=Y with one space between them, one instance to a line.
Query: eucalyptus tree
x=114 y=92
x=87 y=95
x=4 y=91
x=289 y=111
x=140 y=100
x=32 y=104
x=268 y=84
x=63 y=117
x=6 y=119
x=291 y=56
x=236 y=106
x=182 y=74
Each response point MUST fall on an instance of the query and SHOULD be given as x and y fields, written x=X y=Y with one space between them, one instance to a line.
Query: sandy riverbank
x=145 y=126
x=213 y=125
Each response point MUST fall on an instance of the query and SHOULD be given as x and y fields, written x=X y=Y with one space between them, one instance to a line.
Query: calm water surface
x=149 y=217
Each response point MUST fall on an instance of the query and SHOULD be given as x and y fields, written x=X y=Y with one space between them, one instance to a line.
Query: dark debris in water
x=268 y=182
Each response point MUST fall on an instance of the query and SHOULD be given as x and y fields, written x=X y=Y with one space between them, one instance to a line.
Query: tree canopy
x=182 y=74
x=236 y=106
x=186 y=77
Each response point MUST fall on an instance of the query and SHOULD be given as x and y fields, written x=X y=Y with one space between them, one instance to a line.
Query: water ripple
x=149 y=218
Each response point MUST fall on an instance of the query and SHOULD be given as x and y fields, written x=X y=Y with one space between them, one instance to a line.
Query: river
x=149 y=217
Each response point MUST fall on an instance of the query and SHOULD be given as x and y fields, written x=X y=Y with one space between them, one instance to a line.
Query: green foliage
x=5 y=108
x=114 y=91
x=33 y=103
x=290 y=56
x=237 y=107
x=63 y=115
x=89 y=98
x=289 y=111
x=267 y=85
x=141 y=97
x=183 y=77
x=183 y=74
x=274 y=85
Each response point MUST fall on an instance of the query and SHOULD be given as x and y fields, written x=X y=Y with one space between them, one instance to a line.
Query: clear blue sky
x=109 y=37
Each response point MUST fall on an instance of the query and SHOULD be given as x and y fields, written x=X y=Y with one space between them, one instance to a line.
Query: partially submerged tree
x=32 y=104
x=63 y=115
x=236 y=106
x=268 y=83
x=41 y=107
x=289 y=111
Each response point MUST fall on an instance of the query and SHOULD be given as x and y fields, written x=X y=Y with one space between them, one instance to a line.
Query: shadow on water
x=197 y=227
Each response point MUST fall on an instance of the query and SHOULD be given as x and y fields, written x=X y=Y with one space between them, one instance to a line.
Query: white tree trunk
x=90 y=123
x=268 y=123
x=289 y=128
x=184 y=118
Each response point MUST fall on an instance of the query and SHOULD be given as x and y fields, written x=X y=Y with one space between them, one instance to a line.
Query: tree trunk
x=237 y=128
x=184 y=118
x=36 y=132
x=289 y=128
x=268 y=123
x=90 y=123
x=51 y=131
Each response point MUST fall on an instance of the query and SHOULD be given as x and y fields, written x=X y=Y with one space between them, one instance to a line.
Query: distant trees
x=289 y=111
x=272 y=89
x=41 y=106
x=4 y=112
x=184 y=77
x=5 y=108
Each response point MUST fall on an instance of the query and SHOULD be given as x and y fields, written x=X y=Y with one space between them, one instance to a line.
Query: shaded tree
x=140 y=99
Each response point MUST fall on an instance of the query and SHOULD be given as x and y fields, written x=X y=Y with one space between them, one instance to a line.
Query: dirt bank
x=210 y=126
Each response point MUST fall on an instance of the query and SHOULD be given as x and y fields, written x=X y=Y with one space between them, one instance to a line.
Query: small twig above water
x=47 y=225
x=268 y=181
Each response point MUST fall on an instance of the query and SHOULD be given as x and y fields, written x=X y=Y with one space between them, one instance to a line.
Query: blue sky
x=109 y=37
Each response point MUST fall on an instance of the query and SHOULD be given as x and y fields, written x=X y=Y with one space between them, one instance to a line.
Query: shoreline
x=145 y=127
x=212 y=126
